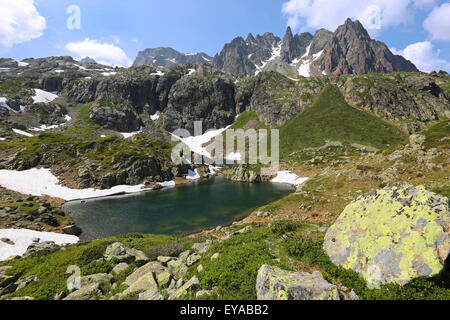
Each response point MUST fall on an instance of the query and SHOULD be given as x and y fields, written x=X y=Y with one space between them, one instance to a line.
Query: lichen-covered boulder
x=124 y=254
x=184 y=291
x=273 y=283
x=392 y=235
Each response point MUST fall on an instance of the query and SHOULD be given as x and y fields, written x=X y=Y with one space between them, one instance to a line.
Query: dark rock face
x=168 y=57
x=351 y=51
x=294 y=46
x=197 y=98
x=243 y=56
x=184 y=94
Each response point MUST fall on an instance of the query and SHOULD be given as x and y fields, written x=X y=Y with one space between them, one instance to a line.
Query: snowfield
x=22 y=133
x=127 y=135
x=22 y=239
x=196 y=143
x=39 y=182
x=288 y=178
x=41 y=96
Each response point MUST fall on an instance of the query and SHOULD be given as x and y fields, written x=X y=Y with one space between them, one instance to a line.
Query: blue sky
x=114 y=31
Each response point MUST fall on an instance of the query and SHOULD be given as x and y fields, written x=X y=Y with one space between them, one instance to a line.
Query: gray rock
x=120 y=267
x=177 y=268
x=72 y=230
x=42 y=248
x=184 y=291
x=7 y=241
x=273 y=283
x=124 y=254
x=154 y=268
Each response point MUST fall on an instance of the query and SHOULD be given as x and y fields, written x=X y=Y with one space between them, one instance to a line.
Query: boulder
x=177 y=268
x=42 y=248
x=202 y=247
x=164 y=279
x=392 y=235
x=124 y=254
x=143 y=284
x=120 y=267
x=192 y=259
x=89 y=292
x=155 y=268
x=165 y=260
x=273 y=283
x=98 y=278
x=72 y=230
x=151 y=295
x=183 y=292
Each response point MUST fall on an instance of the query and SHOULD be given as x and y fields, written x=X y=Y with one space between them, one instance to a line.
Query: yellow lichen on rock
x=392 y=235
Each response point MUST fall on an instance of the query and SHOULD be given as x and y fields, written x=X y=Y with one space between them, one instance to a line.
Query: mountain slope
x=168 y=57
x=349 y=50
x=330 y=118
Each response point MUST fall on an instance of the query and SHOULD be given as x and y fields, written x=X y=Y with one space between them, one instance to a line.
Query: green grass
x=438 y=134
x=240 y=258
x=331 y=118
x=13 y=88
x=84 y=127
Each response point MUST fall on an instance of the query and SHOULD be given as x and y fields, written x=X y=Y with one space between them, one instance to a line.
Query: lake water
x=178 y=210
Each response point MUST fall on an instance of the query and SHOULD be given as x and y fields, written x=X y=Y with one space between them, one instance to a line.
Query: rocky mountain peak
x=168 y=57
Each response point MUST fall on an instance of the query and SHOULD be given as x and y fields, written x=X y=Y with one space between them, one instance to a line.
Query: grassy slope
x=331 y=118
x=297 y=246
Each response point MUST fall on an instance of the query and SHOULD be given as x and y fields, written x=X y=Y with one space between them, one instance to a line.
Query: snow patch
x=22 y=64
x=288 y=178
x=41 y=96
x=234 y=156
x=195 y=143
x=158 y=73
x=156 y=115
x=191 y=72
x=167 y=184
x=39 y=182
x=127 y=135
x=23 y=133
x=193 y=175
x=23 y=238
x=108 y=74
x=276 y=52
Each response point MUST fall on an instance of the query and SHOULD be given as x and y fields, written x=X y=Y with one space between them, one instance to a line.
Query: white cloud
x=116 y=39
x=19 y=22
x=104 y=53
x=438 y=23
x=424 y=57
x=303 y=14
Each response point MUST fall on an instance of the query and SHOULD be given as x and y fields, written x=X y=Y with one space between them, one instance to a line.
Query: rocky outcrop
x=195 y=98
x=349 y=50
x=168 y=57
x=120 y=253
x=245 y=173
x=392 y=235
x=352 y=51
x=273 y=283
x=410 y=100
